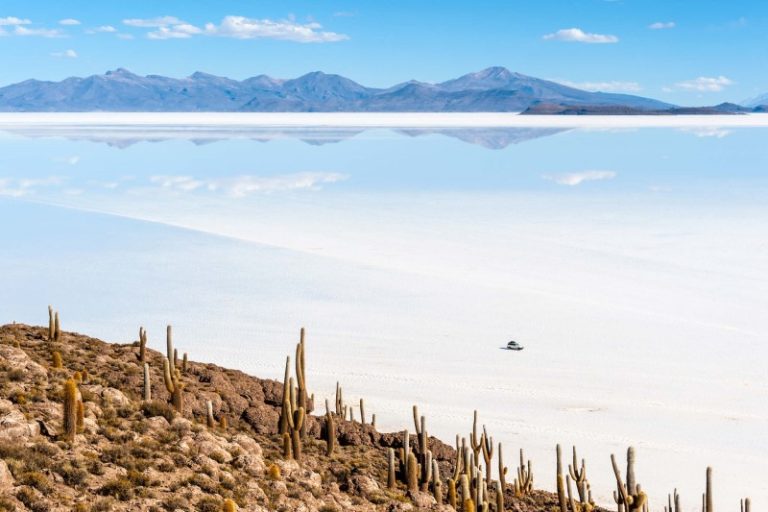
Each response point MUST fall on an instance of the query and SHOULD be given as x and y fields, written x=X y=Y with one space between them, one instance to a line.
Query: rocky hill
x=91 y=426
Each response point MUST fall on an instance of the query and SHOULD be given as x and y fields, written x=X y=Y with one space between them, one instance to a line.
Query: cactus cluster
x=295 y=405
x=54 y=327
x=629 y=497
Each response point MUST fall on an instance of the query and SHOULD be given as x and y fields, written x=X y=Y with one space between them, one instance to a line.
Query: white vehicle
x=513 y=345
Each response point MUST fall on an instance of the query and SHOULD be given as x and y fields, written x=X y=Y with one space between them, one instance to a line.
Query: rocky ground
x=137 y=455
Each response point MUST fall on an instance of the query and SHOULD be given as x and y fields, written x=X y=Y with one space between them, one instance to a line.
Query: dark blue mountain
x=494 y=89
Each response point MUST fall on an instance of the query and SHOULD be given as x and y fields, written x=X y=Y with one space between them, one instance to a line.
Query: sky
x=678 y=51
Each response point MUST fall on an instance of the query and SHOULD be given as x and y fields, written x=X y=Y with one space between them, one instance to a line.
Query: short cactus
x=57 y=362
x=70 y=410
x=413 y=472
x=229 y=506
x=209 y=419
x=184 y=363
x=51 y=328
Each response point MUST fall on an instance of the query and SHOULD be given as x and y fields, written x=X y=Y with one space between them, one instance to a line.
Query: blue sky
x=684 y=52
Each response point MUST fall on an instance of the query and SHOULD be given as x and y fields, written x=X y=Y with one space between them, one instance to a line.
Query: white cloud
x=69 y=22
x=237 y=27
x=609 y=86
x=181 y=31
x=240 y=27
x=13 y=21
x=66 y=54
x=242 y=186
x=576 y=35
x=705 y=84
x=104 y=28
x=38 y=32
x=576 y=178
x=662 y=25
x=162 y=21
x=125 y=36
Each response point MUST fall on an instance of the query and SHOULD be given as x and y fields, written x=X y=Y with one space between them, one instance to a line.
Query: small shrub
x=120 y=488
x=157 y=408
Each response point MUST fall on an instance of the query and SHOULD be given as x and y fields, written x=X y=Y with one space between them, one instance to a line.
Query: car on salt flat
x=513 y=345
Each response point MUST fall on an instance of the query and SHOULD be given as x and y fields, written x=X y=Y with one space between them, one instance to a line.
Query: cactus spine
x=147 y=384
x=70 y=410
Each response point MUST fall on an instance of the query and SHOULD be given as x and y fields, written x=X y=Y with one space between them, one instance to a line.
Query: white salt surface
x=644 y=323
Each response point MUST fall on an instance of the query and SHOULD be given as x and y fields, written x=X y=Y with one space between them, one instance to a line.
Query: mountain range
x=495 y=89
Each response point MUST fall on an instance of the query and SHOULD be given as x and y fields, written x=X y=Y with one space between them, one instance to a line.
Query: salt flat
x=387 y=120
x=632 y=264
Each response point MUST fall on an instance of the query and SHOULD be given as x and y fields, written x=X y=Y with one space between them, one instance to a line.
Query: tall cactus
x=561 y=499
x=391 y=468
x=56 y=327
x=330 y=431
x=174 y=386
x=524 y=480
x=502 y=469
x=301 y=381
x=362 y=412
x=147 y=384
x=209 y=419
x=745 y=505
x=70 y=410
x=142 y=344
x=708 y=502
x=286 y=410
x=579 y=476
x=633 y=500
x=50 y=324
x=437 y=483
x=487 y=449
x=169 y=348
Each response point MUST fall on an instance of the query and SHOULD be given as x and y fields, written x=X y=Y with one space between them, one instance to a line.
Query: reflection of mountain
x=490 y=138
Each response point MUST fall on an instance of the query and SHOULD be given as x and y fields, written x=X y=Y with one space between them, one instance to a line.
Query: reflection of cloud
x=576 y=178
x=23 y=187
x=242 y=186
x=708 y=131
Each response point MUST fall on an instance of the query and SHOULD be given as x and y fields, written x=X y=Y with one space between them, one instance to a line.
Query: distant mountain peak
x=493 y=89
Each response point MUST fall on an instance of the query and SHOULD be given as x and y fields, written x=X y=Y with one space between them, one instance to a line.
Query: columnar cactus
x=362 y=412
x=210 y=420
x=486 y=445
x=673 y=502
x=173 y=384
x=524 y=480
x=50 y=324
x=70 y=410
x=412 y=472
x=169 y=348
x=286 y=410
x=147 y=384
x=708 y=501
x=633 y=498
x=561 y=499
x=301 y=381
x=391 y=468
x=56 y=327
x=184 y=363
x=745 y=505
x=80 y=417
x=142 y=344
x=579 y=476
x=502 y=469
x=473 y=439
x=499 y=497
x=437 y=484
x=57 y=362
x=330 y=432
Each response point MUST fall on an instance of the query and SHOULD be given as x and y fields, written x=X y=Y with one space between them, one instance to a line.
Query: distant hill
x=758 y=101
x=495 y=89
x=624 y=110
